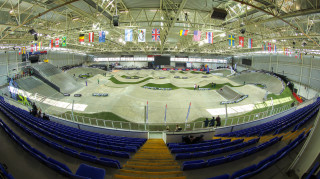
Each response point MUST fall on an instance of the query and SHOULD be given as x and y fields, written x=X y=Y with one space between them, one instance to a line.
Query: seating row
x=196 y=164
x=301 y=123
x=282 y=122
x=4 y=172
x=216 y=151
x=89 y=146
x=203 y=143
x=50 y=162
x=206 y=147
x=252 y=170
x=81 y=155
x=79 y=135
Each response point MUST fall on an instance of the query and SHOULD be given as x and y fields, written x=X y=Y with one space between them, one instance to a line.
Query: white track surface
x=129 y=100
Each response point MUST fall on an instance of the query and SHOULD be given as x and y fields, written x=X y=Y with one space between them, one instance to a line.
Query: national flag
x=128 y=35
x=50 y=43
x=241 y=41
x=269 y=47
x=275 y=48
x=300 y=56
x=35 y=47
x=57 y=42
x=284 y=51
x=141 y=35
x=209 y=37
x=19 y=51
x=91 y=36
x=231 y=40
x=81 y=38
x=102 y=36
x=249 y=43
x=155 y=34
x=31 y=50
x=196 y=35
x=184 y=32
x=40 y=45
x=264 y=47
x=64 y=41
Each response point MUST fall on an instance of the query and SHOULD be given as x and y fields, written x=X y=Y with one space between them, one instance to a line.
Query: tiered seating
x=213 y=149
x=4 y=172
x=79 y=138
x=50 y=162
x=196 y=164
x=301 y=123
x=277 y=125
x=265 y=163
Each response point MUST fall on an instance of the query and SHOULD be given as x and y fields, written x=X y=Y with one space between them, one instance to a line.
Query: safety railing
x=189 y=126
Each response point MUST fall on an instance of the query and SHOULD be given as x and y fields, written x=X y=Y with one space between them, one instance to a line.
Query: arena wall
x=11 y=62
x=304 y=71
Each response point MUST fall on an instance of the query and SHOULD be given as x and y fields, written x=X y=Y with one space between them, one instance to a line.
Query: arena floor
x=129 y=100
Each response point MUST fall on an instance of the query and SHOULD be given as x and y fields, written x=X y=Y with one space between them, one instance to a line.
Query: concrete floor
x=129 y=100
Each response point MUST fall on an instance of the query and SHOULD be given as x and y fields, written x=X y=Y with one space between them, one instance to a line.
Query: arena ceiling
x=281 y=22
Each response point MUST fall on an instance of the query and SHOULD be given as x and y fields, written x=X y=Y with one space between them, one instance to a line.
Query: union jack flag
x=155 y=34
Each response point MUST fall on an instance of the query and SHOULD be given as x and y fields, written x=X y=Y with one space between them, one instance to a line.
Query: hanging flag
x=284 y=51
x=249 y=43
x=184 y=32
x=275 y=48
x=81 y=38
x=231 y=40
x=35 y=47
x=196 y=35
x=57 y=42
x=155 y=34
x=50 y=43
x=300 y=55
x=264 y=47
x=64 y=41
x=209 y=37
x=31 y=50
x=269 y=47
x=102 y=36
x=40 y=45
x=19 y=51
x=128 y=35
x=91 y=36
x=141 y=35
x=241 y=41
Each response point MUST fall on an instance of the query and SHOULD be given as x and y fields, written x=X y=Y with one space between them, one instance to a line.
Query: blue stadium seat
x=224 y=176
x=217 y=161
x=91 y=172
x=243 y=171
x=191 y=165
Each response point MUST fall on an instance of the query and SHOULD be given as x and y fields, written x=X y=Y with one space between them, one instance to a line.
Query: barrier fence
x=189 y=126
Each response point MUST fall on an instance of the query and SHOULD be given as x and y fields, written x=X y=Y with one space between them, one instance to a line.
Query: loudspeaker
x=220 y=14
x=115 y=20
x=242 y=31
x=35 y=37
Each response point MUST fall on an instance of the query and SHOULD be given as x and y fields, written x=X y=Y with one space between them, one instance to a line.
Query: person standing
x=206 y=122
x=86 y=83
x=218 y=119
x=98 y=80
x=212 y=122
x=212 y=85
x=195 y=86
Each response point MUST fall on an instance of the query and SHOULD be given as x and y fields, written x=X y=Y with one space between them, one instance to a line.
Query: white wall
x=305 y=71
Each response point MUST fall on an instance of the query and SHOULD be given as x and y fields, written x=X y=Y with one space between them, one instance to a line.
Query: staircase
x=153 y=160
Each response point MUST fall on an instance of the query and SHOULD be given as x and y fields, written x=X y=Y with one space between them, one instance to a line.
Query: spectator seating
x=217 y=149
x=50 y=162
x=4 y=172
x=90 y=172
x=79 y=143
x=84 y=156
x=276 y=125
x=190 y=165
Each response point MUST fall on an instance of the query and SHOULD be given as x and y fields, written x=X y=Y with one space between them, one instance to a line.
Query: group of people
x=211 y=123
x=37 y=113
x=195 y=86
